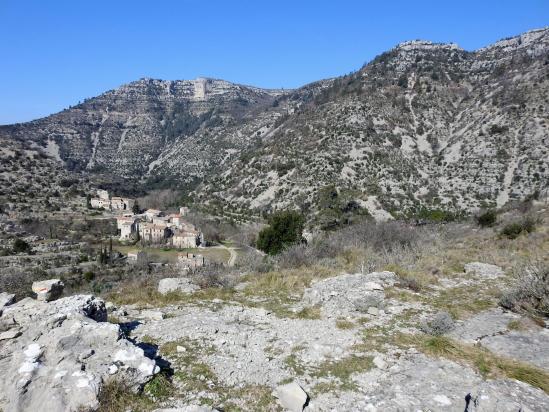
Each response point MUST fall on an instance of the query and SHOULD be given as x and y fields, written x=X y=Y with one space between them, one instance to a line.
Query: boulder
x=291 y=396
x=6 y=299
x=60 y=354
x=483 y=270
x=182 y=285
x=48 y=290
x=342 y=295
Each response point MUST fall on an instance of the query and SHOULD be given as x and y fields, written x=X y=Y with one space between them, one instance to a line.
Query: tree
x=285 y=229
x=20 y=246
x=135 y=208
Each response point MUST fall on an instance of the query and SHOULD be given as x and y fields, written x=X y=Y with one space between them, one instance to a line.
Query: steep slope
x=131 y=130
x=423 y=124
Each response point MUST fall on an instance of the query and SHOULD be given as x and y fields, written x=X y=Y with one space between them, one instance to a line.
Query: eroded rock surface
x=346 y=294
x=62 y=355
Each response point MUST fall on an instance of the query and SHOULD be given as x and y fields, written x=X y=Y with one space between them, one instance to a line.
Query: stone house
x=190 y=261
x=98 y=203
x=160 y=220
x=151 y=213
x=127 y=226
x=122 y=203
x=153 y=233
x=183 y=239
x=136 y=256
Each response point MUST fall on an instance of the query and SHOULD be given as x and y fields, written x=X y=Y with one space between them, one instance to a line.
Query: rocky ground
x=427 y=335
x=351 y=343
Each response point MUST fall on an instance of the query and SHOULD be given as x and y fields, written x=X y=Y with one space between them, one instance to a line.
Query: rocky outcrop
x=345 y=294
x=5 y=300
x=483 y=270
x=61 y=353
x=47 y=290
x=181 y=285
x=291 y=396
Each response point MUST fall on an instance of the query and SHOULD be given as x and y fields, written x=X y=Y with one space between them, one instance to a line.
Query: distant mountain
x=422 y=125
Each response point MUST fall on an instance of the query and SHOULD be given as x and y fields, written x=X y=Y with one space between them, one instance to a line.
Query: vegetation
x=515 y=229
x=20 y=246
x=285 y=229
x=530 y=293
x=488 y=218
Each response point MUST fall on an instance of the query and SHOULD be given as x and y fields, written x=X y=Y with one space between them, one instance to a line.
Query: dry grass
x=115 y=396
x=144 y=294
x=345 y=324
x=343 y=369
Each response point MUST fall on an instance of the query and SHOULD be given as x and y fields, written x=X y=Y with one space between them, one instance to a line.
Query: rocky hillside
x=423 y=124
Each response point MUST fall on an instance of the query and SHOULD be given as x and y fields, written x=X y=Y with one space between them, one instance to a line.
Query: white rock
x=63 y=356
x=48 y=290
x=373 y=311
x=10 y=334
x=291 y=396
x=182 y=285
x=380 y=363
x=483 y=270
x=151 y=315
x=6 y=299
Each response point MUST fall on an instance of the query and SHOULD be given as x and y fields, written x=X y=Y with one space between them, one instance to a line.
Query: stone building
x=183 y=239
x=190 y=261
x=127 y=226
x=122 y=203
x=152 y=213
x=153 y=233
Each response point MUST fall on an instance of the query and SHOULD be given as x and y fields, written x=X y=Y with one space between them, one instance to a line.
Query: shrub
x=531 y=291
x=20 y=246
x=488 y=218
x=514 y=229
x=89 y=276
x=285 y=229
x=439 y=325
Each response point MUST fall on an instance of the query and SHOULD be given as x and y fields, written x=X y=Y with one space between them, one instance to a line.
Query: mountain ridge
x=423 y=107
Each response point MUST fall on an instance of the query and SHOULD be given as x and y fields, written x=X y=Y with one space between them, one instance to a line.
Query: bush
x=514 y=229
x=441 y=324
x=89 y=276
x=20 y=246
x=285 y=229
x=531 y=291
x=487 y=219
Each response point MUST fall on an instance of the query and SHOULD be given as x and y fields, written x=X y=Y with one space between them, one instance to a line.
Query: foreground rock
x=345 y=294
x=5 y=300
x=62 y=355
x=491 y=329
x=48 y=290
x=420 y=383
x=181 y=285
x=291 y=396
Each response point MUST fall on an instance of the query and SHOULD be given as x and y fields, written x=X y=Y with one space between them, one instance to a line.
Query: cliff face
x=126 y=131
x=422 y=124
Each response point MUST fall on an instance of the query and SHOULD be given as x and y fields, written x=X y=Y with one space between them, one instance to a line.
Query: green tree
x=285 y=229
x=20 y=246
x=135 y=208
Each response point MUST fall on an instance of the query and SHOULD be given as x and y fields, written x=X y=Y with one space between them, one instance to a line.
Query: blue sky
x=55 y=53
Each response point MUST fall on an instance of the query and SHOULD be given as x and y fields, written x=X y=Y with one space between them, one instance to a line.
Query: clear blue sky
x=55 y=53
